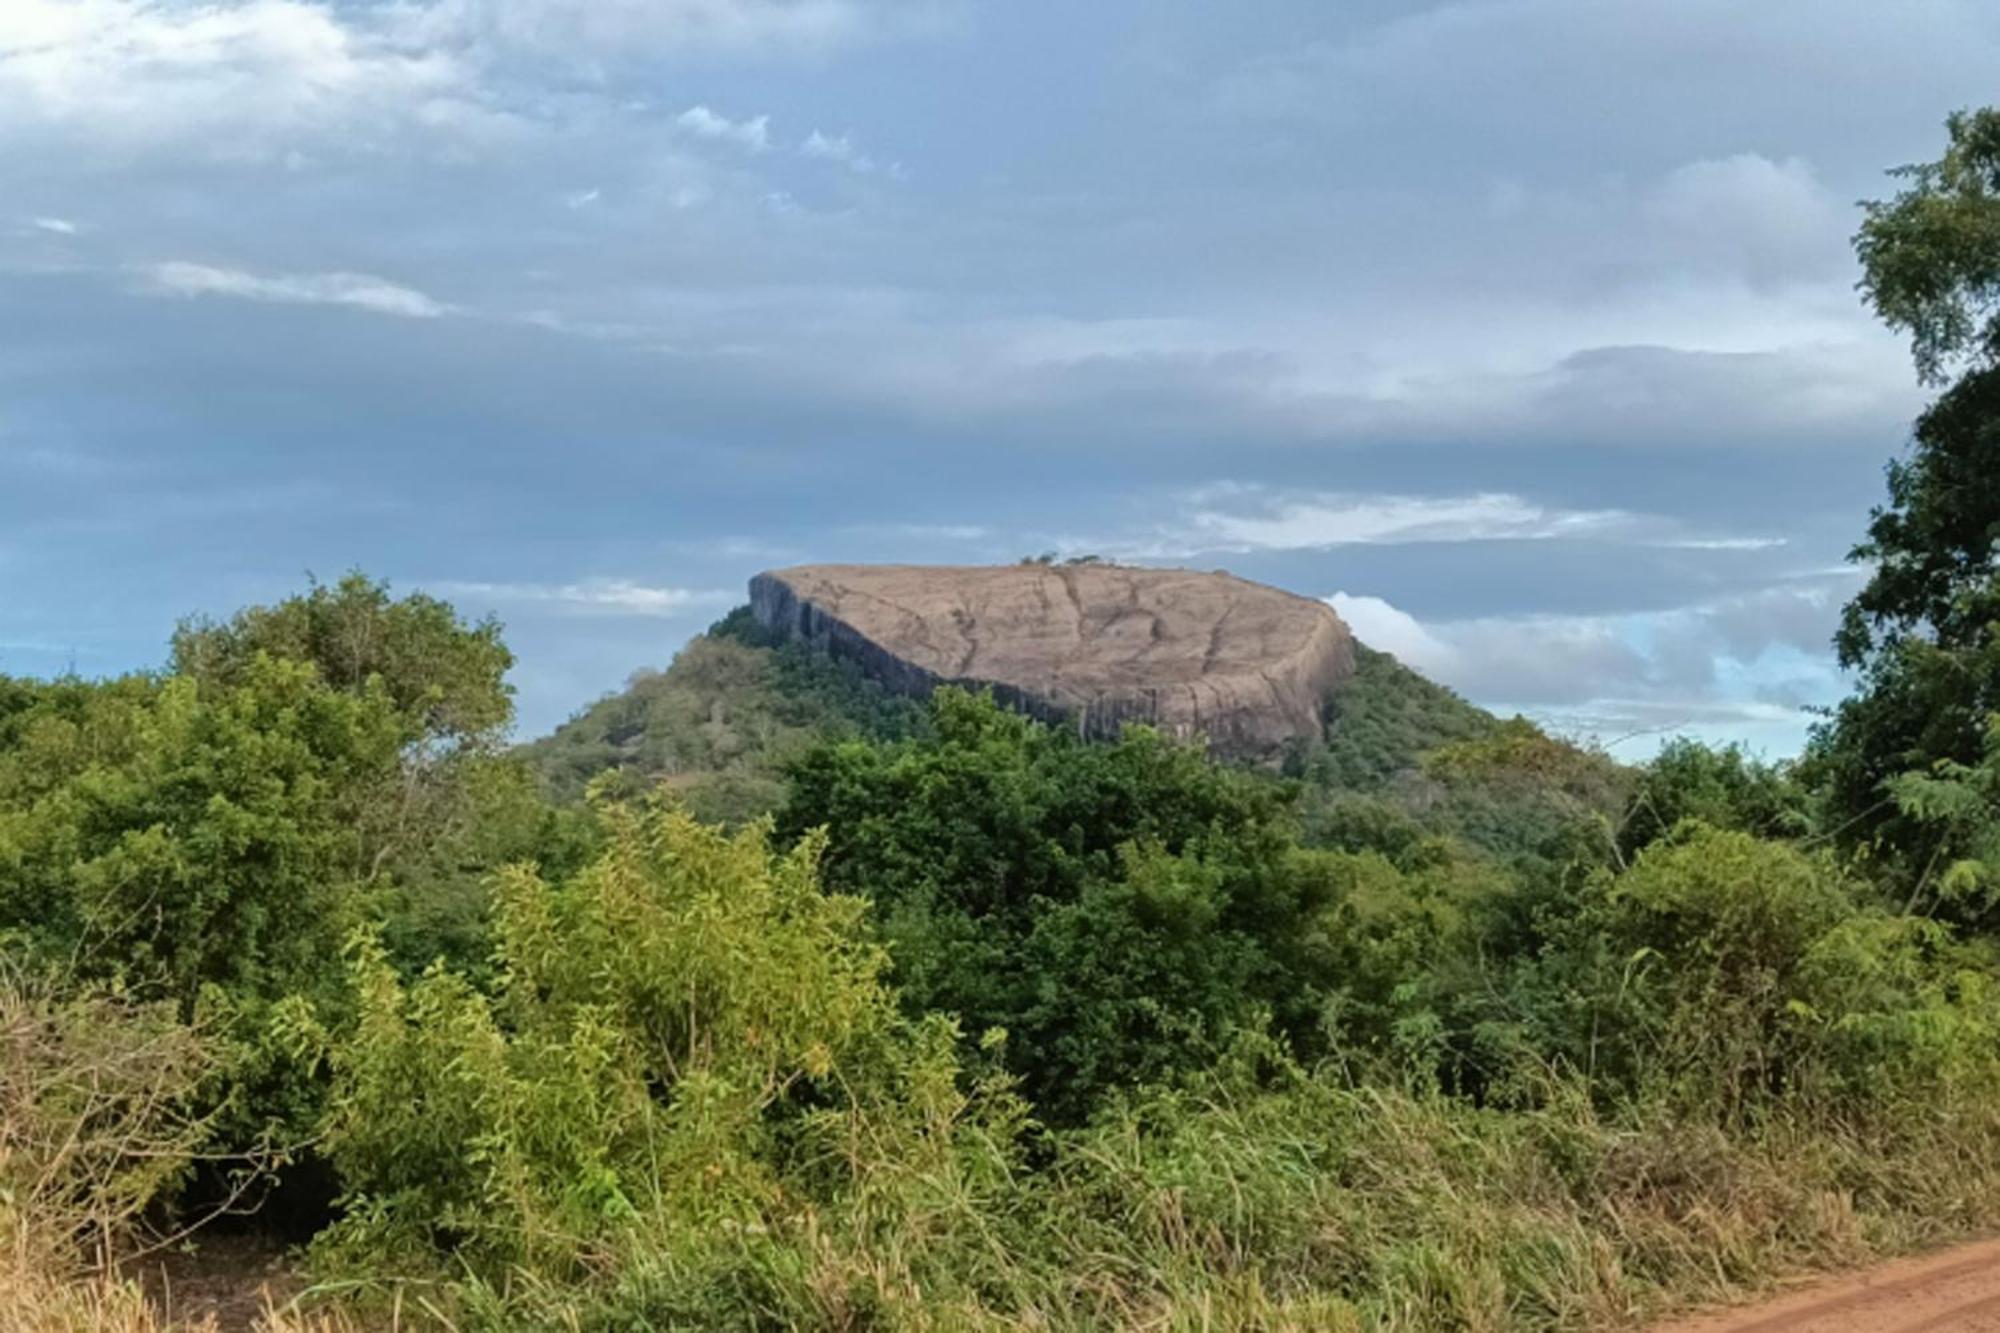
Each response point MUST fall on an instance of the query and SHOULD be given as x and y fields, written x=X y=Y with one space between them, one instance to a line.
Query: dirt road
x=1953 y=1291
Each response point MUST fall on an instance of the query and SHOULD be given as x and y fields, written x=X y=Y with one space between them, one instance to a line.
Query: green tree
x=1958 y=805
x=1921 y=633
x=1724 y=788
x=447 y=679
x=1116 y=908
x=176 y=838
x=304 y=766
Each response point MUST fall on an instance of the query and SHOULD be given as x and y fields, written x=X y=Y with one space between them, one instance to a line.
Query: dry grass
x=32 y=1301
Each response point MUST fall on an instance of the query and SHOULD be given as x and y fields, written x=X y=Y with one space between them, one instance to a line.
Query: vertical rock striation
x=1246 y=666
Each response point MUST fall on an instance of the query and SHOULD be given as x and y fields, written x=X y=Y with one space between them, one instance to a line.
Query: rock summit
x=1093 y=645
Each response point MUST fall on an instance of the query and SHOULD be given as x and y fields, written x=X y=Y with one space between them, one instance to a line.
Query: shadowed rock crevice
x=1194 y=654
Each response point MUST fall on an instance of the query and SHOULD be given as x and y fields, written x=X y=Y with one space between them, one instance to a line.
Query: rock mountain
x=1247 y=666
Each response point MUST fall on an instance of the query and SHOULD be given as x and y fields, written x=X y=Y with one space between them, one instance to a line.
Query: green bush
x=1723 y=975
x=1117 y=909
x=1723 y=788
x=690 y=1058
x=721 y=722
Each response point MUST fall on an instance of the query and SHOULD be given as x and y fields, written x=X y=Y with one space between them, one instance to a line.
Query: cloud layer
x=1527 y=326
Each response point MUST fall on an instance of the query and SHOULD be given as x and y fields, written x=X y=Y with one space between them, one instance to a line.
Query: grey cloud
x=1526 y=75
x=1601 y=289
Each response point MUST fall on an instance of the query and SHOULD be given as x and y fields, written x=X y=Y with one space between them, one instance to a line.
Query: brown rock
x=1194 y=654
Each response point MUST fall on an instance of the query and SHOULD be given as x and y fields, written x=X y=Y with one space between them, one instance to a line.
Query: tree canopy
x=1921 y=632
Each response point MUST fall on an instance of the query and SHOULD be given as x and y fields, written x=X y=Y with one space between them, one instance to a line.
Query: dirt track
x=1954 y=1291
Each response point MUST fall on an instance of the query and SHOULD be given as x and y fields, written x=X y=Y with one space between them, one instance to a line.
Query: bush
x=1723 y=788
x=690 y=1056
x=1724 y=975
x=721 y=722
x=99 y=1120
x=1117 y=909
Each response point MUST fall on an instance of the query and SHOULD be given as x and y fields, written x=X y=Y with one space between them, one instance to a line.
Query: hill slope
x=736 y=706
x=721 y=721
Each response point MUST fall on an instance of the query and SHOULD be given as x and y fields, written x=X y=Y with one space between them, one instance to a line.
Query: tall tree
x=1922 y=633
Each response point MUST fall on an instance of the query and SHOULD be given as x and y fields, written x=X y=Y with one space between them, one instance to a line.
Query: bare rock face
x=1097 y=645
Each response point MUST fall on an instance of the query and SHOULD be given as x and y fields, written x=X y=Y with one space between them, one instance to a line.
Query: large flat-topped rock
x=1193 y=654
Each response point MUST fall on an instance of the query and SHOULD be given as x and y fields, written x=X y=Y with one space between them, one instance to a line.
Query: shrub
x=690 y=1055
x=1724 y=975
x=1723 y=788
x=99 y=1120
x=1115 y=908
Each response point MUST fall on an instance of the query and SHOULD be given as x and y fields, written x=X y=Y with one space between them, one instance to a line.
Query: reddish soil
x=1954 y=1291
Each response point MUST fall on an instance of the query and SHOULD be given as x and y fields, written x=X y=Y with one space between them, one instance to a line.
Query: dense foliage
x=720 y=723
x=990 y=1026
x=1447 y=1024
x=1924 y=633
x=1115 y=909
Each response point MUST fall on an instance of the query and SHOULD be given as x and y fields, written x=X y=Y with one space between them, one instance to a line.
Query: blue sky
x=1524 y=329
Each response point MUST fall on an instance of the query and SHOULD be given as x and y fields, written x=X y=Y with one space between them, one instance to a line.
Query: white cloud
x=842 y=149
x=609 y=29
x=1235 y=517
x=357 y=290
x=257 y=80
x=582 y=198
x=56 y=226
x=1257 y=520
x=235 y=79
x=53 y=460
x=943 y=532
x=619 y=597
x=1723 y=543
x=1730 y=667
x=1767 y=220
x=1387 y=629
x=753 y=135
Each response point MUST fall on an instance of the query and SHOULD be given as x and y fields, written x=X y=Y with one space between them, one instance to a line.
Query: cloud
x=627 y=29
x=753 y=135
x=233 y=79
x=1259 y=520
x=942 y=532
x=357 y=290
x=1386 y=629
x=71 y=461
x=258 y=80
x=1755 y=659
x=1767 y=220
x=1236 y=517
x=1673 y=69
x=56 y=226
x=842 y=149
x=1644 y=394
x=615 y=597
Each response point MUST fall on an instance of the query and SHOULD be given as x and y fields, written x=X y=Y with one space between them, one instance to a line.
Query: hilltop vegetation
x=737 y=709
x=1443 y=1024
x=720 y=723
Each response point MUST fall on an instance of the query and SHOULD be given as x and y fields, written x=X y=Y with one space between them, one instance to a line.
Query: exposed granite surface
x=1245 y=665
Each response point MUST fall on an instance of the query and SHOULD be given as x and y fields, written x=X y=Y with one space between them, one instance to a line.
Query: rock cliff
x=1212 y=655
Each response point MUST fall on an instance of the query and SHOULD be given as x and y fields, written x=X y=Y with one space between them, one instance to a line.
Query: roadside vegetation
x=755 y=998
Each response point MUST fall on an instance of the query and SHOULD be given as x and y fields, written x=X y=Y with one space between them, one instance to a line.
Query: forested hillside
x=720 y=723
x=724 y=722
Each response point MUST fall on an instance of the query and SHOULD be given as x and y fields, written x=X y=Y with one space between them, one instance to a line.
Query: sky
x=1524 y=331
